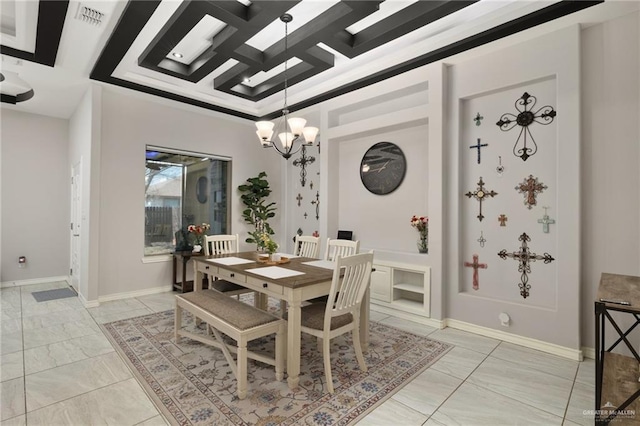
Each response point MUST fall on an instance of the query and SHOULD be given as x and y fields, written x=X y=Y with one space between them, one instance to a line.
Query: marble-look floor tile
x=466 y=340
x=112 y=306
x=10 y=325
x=43 y=286
x=10 y=342
x=459 y=362
x=541 y=390
x=55 y=318
x=583 y=398
x=44 y=308
x=159 y=302
x=473 y=405
x=117 y=316
x=15 y=421
x=10 y=304
x=428 y=391
x=57 y=384
x=377 y=316
x=123 y=403
x=392 y=412
x=12 y=398
x=154 y=421
x=410 y=326
x=531 y=358
x=11 y=366
x=587 y=372
x=59 y=333
x=61 y=353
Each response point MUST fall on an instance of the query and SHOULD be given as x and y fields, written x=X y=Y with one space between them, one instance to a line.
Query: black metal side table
x=184 y=256
x=617 y=375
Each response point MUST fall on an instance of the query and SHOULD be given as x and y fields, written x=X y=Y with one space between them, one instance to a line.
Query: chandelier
x=289 y=129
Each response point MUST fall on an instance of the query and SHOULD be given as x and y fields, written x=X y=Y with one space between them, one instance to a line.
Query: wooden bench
x=238 y=320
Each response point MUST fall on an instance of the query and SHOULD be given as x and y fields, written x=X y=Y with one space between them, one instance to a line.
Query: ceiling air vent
x=89 y=15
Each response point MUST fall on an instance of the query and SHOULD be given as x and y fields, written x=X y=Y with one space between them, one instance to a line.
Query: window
x=183 y=188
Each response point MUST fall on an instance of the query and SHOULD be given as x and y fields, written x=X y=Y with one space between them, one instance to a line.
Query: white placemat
x=327 y=264
x=230 y=261
x=275 y=272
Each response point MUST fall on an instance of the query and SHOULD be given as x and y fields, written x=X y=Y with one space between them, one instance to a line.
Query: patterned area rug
x=191 y=383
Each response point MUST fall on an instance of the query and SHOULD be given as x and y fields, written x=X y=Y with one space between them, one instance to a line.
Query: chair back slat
x=342 y=248
x=220 y=244
x=307 y=246
x=351 y=279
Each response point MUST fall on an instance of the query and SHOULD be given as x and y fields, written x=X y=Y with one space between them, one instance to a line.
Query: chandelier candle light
x=292 y=127
x=421 y=223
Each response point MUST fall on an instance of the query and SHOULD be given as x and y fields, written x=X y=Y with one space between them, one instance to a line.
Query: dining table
x=293 y=279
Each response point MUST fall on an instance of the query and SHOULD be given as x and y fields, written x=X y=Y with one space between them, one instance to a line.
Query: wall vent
x=89 y=15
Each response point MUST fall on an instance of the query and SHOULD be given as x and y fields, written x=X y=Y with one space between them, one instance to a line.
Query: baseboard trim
x=589 y=352
x=18 y=283
x=408 y=316
x=551 y=348
x=137 y=293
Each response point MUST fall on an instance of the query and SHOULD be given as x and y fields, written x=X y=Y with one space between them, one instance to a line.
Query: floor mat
x=56 y=293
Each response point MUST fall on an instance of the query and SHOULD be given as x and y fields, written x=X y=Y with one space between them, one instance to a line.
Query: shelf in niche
x=409 y=304
x=414 y=288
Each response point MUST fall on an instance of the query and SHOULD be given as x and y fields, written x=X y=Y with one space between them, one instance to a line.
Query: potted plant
x=257 y=211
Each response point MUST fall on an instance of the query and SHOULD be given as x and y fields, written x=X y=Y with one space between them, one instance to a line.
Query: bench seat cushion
x=240 y=315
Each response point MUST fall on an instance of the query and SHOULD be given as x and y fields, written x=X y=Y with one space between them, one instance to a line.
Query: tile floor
x=57 y=368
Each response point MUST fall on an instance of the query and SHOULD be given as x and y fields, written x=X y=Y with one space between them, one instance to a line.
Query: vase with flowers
x=421 y=223
x=267 y=244
x=198 y=232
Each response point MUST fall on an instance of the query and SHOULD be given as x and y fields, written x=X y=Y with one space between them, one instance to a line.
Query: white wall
x=129 y=123
x=611 y=158
x=35 y=196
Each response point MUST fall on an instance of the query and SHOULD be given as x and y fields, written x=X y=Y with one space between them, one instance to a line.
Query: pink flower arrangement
x=198 y=231
x=421 y=223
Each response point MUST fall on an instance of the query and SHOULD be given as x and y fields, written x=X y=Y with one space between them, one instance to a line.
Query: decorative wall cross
x=500 y=167
x=546 y=221
x=525 y=257
x=317 y=204
x=311 y=185
x=479 y=194
x=478 y=146
x=299 y=198
x=530 y=187
x=478 y=119
x=526 y=117
x=305 y=215
x=503 y=219
x=482 y=239
x=302 y=163
x=475 y=265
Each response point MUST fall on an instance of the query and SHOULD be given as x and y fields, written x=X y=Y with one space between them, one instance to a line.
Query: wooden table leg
x=293 y=343
x=185 y=259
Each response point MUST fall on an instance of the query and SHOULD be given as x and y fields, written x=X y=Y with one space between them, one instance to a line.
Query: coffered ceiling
x=229 y=56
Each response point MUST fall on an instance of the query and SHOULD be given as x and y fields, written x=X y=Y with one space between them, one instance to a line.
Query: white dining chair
x=307 y=246
x=224 y=244
x=340 y=248
x=351 y=278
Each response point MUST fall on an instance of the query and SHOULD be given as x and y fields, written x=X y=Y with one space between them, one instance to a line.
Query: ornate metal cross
x=531 y=188
x=525 y=257
x=478 y=119
x=475 y=265
x=546 y=221
x=302 y=163
x=479 y=194
x=503 y=219
x=524 y=106
x=482 y=239
x=299 y=198
x=478 y=146
x=305 y=215
x=317 y=204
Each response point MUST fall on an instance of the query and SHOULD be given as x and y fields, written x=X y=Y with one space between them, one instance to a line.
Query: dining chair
x=351 y=278
x=340 y=248
x=304 y=246
x=224 y=244
x=307 y=246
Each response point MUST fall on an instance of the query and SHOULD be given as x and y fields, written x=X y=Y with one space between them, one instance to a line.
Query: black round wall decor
x=382 y=168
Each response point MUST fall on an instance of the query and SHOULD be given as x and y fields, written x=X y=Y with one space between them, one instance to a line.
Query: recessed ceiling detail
x=242 y=23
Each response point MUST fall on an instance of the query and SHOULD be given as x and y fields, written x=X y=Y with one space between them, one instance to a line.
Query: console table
x=617 y=386
x=184 y=257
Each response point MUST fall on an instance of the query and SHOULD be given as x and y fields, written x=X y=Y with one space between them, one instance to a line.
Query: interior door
x=76 y=219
